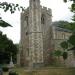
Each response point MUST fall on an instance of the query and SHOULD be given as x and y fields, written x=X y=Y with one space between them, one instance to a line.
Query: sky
x=60 y=11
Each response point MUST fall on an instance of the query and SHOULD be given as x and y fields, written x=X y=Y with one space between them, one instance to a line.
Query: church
x=38 y=36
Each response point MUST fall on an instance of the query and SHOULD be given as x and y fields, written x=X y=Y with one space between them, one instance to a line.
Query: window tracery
x=43 y=19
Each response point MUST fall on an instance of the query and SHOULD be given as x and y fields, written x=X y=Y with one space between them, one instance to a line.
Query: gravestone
x=11 y=65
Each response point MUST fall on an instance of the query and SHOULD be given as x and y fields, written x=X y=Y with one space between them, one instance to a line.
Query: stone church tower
x=35 y=35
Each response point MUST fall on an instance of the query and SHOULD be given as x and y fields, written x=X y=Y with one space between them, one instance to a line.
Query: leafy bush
x=5 y=69
x=13 y=73
x=65 y=55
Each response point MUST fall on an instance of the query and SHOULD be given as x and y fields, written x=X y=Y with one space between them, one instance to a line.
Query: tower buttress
x=35 y=33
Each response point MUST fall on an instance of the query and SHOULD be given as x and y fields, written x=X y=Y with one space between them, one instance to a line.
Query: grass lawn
x=45 y=71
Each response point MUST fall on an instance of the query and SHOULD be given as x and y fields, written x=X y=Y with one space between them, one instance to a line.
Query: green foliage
x=68 y=0
x=71 y=27
x=73 y=18
x=65 y=55
x=13 y=73
x=57 y=53
x=60 y=23
x=65 y=0
x=72 y=39
x=64 y=45
x=72 y=5
x=6 y=49
x=5 y=69
x=11 y=7
x=4 y=24
x=63 y=24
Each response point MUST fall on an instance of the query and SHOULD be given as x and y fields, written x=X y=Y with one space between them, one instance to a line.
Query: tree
x=72 y=5
x=6 y=46
x=57 y=53
x=70 y=26
x=64 y=45
x=9 y=7
x=6 y=49
x=4 y=24
x=69 y=0
x=65 y=56
x=71 y=40
x=61 y=23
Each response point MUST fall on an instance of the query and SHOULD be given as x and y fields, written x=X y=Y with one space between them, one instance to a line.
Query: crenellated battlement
x=46 y=10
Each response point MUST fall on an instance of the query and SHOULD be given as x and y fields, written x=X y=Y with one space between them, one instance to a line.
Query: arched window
x=42 y=19
x=27 y=52
x=26 y=33
x=26 y=19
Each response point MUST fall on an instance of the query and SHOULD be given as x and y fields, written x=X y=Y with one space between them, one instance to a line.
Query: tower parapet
x=46 y=10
